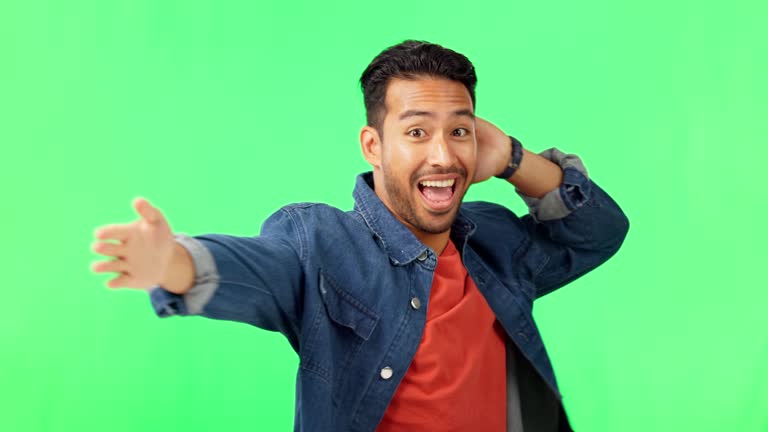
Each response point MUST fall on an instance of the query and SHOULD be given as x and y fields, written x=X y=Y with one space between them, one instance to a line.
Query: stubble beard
x=406 y=209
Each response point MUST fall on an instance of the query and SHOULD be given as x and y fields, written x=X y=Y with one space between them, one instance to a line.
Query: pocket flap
x=345 y=309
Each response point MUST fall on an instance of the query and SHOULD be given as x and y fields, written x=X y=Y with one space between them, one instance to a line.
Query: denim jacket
x=339 y=286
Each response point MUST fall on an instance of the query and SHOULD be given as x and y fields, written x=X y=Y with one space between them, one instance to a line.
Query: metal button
x=386 y=372
x=423 y=256
x=415 y=303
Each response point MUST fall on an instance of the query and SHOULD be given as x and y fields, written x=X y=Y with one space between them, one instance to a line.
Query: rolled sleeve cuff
x=166 y=303
x=573 y=192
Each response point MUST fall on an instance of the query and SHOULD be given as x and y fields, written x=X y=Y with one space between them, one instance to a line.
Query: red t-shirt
x=457 y=380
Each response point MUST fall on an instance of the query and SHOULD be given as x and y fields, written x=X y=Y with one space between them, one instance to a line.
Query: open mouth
x=438 y=194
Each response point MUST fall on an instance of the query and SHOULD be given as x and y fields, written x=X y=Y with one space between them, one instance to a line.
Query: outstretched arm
x=255 y=280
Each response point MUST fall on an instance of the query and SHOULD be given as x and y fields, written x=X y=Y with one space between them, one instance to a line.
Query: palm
x=142 y=248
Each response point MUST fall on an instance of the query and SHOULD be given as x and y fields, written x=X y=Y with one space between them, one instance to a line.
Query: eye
x=418 y=135
x=462 y=132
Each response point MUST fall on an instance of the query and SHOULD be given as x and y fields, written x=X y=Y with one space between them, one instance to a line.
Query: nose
x=440 y=152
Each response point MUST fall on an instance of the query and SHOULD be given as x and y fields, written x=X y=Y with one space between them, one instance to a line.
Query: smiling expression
x=426 y=159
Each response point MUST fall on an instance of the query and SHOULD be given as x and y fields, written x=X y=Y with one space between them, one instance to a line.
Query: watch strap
x=514 y=161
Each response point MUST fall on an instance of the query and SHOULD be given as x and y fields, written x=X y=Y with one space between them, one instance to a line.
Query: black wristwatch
x=514 y=161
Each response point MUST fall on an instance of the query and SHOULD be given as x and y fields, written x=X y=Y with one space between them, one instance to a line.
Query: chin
x=428 y=224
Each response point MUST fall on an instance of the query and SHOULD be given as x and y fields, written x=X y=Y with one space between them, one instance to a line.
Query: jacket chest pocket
x=340 y=326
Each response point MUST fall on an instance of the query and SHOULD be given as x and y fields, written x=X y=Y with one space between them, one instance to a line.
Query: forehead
x=438 y=95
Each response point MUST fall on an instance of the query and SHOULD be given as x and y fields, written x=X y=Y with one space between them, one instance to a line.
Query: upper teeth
x=438 y=183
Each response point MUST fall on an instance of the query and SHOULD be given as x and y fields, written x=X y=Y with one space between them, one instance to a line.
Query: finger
x=108 y=249
x=116 y=266
x=116 y=232
x=146 y=210
x=122 y=281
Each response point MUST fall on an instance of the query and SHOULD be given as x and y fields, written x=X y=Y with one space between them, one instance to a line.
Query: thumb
x=146 y=210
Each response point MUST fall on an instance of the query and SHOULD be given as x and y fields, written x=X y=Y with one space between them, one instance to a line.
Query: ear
x=370 y=144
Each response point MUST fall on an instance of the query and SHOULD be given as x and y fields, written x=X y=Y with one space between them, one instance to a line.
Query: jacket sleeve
x=255 y=280
x=576 y=226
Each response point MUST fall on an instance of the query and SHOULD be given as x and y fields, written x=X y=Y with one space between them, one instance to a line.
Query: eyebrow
x=414 y=113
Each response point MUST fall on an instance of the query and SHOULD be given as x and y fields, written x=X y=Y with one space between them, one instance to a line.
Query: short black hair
x=411 y=59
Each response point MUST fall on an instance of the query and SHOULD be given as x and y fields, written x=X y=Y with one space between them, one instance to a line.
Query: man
x=413 y=311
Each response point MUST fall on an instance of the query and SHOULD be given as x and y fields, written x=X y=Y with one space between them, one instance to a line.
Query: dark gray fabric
x=514 y=416
x=541 y=410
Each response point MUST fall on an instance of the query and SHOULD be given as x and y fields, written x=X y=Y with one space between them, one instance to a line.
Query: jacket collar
x=398 y=241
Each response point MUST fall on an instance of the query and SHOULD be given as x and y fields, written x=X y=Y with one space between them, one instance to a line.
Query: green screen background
x=220 y=112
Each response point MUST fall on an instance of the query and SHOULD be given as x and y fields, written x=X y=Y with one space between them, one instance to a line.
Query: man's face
x=428 y=151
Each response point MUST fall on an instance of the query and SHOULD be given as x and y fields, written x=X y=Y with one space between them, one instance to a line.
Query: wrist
x=516 y=157
x=180 y=274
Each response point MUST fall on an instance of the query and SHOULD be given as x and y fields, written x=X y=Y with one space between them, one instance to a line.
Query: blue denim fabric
x=339 y=286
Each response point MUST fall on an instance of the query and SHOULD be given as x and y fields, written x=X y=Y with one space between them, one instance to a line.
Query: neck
x=436 y=242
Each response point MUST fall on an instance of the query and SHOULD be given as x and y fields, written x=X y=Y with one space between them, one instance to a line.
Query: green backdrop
x=219 y=112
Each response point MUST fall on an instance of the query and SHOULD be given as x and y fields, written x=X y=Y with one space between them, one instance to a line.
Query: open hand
x=142 y=251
